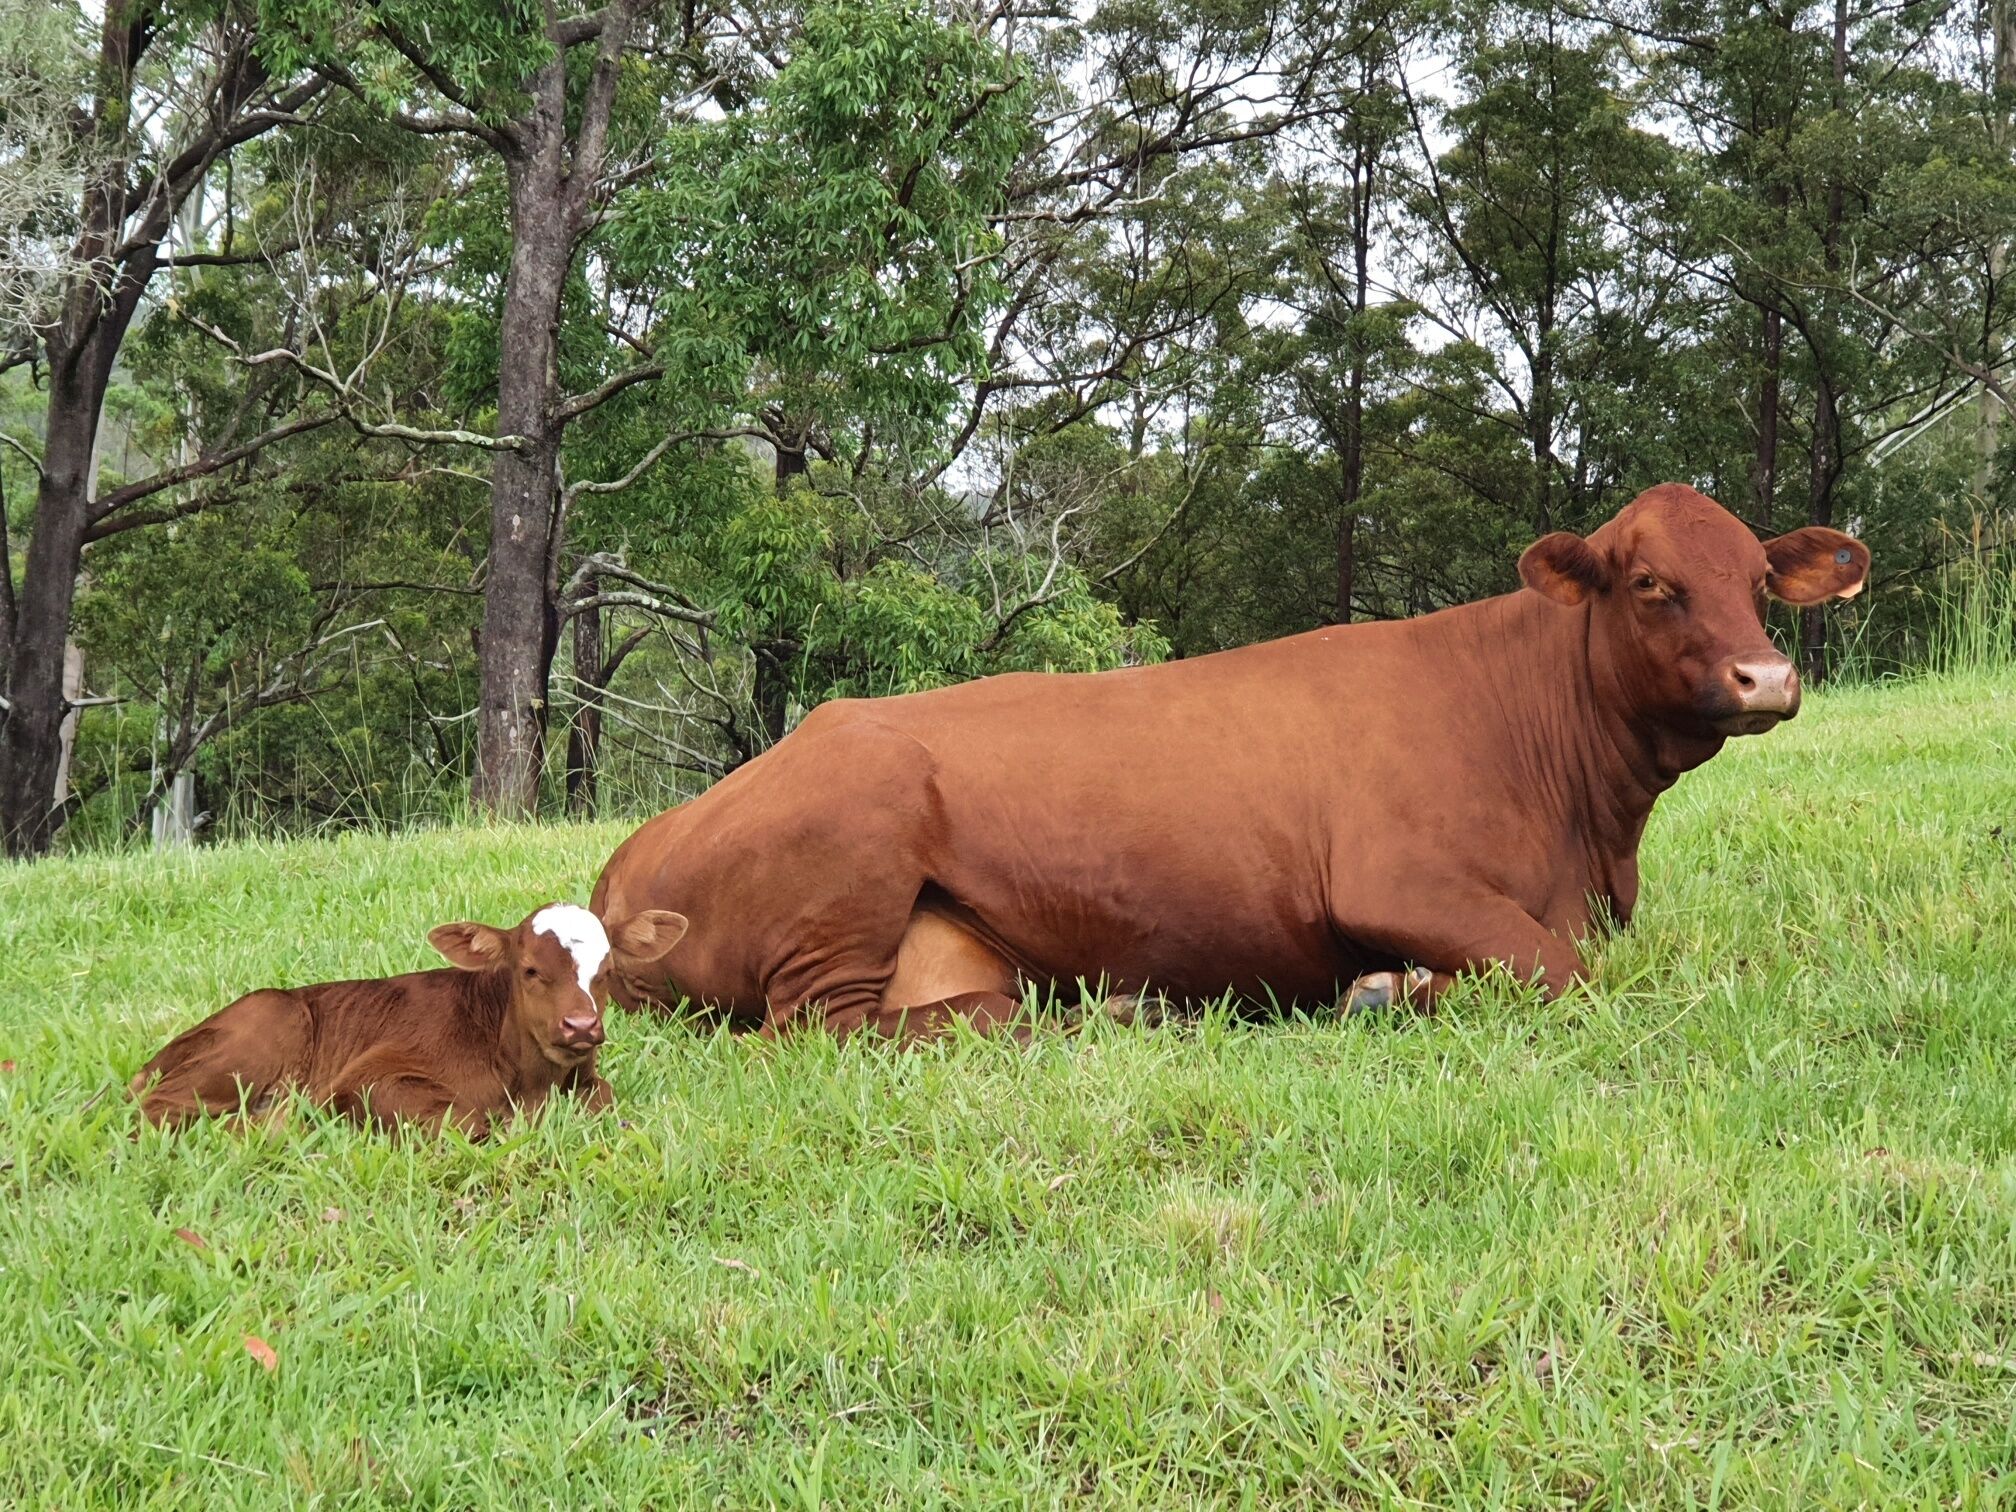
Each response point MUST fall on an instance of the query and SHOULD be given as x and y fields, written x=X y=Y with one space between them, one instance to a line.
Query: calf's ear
x=647 y=934
x=1815 y=564
x=1564 y=568
x=473 y=947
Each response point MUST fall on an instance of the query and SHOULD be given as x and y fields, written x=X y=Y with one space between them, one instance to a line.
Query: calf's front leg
x=384 y=1092
x=594 y=1091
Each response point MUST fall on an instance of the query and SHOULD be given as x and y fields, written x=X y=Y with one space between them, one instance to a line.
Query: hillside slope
x=1737 y=1225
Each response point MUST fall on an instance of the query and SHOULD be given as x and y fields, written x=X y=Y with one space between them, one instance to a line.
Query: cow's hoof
x=1372 y=991
x=1382 y=989
x=1123 y=1008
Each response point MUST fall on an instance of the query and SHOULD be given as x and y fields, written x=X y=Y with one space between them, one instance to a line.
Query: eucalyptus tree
x=166 y=91
x=1519 y=178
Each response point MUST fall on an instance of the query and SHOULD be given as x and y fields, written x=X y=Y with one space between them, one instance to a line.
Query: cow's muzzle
x=1754 y=693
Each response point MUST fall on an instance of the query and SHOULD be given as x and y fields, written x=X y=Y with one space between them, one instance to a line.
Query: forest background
x=411 y=406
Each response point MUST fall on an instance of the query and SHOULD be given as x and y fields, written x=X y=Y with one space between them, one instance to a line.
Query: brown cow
x=1449 y=793
x=522 y=1018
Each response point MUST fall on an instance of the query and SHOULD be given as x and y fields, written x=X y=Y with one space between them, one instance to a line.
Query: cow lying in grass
x=520 y=1020
x=1361 y=811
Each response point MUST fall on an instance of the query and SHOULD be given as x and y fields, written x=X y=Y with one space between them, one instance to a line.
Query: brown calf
x=520 y=1019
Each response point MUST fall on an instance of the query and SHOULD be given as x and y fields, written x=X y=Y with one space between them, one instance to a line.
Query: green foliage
x=842 y=232
x=892 y=626
x=1055 y=333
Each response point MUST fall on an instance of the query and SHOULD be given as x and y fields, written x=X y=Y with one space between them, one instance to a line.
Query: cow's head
x=559 y=963
x=1675 y=586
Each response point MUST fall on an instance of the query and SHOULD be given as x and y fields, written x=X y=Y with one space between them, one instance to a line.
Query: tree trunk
x=66 y=735
x=772 y=690
x=553 y=183
x=2001 y=17
x=124 y=216
x=584 y=739
x=1764 y=465
x=31 y=740
x=1540 y=413
x=1826 y=402
x=173 y=822
x=1826 y=467
x=6 y=600
x=1353 y=459
x=520 y=620
x=791 y=462
x=1347 y=531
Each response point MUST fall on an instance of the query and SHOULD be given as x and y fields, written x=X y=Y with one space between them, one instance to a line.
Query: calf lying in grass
x=521 y=1019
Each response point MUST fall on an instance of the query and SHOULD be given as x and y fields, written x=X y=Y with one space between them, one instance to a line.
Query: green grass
x=1736 y=1228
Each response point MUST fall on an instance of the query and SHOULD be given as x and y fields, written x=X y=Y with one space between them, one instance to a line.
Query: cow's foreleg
x=1415 y=989
x=1473 y=935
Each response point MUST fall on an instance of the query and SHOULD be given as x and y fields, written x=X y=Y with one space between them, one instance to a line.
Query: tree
x=173 y=91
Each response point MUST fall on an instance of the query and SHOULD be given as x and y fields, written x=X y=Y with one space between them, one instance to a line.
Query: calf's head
x=559 y=962
x=1675 y=586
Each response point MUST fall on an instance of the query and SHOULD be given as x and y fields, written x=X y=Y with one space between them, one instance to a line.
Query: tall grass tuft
x=1974 y=627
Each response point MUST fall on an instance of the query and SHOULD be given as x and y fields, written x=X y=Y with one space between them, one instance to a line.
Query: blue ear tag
x=1844 y=556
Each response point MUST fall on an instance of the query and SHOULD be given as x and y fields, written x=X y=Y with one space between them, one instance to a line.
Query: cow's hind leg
x=383 y=1090
x=982 y=1012
x=942 y=972
x=242 y=1056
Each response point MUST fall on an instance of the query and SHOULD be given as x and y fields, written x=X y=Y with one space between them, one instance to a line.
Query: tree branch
x=202 y=467
x=580 y=404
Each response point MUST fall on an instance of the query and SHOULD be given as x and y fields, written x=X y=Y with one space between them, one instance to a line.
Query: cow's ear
x=1815 y=564
x=647 y=935
x=1564 y=568
x=473 y=947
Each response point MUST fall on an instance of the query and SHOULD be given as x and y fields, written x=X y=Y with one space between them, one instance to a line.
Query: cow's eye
x=531 y=973
x=1645 y=583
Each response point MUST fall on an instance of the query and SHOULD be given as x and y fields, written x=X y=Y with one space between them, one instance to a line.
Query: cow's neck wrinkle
x=1570 y=735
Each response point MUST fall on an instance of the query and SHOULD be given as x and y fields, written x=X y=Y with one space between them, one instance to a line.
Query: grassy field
x=1736 y=1228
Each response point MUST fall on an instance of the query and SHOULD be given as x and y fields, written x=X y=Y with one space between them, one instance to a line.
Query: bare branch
x=33 y=461
x=580 y=404
x=345 y=394
x=659 y=598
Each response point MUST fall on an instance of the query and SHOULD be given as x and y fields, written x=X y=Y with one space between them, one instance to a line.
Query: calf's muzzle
x=581 y=1031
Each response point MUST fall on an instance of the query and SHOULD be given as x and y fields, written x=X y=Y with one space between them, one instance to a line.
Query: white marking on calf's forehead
x=581 y=935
